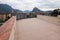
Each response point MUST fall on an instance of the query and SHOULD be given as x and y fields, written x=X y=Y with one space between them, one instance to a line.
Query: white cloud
x=30 y=4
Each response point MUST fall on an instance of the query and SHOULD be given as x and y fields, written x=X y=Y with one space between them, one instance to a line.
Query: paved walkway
x=36 y=29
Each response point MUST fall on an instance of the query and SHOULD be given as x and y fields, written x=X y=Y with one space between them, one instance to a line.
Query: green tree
x=55 y=12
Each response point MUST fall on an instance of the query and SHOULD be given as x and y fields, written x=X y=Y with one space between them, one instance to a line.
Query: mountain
x=5 y=8
x=49 y=11
x=17 y=10
x=36 y=10
x=27 y=11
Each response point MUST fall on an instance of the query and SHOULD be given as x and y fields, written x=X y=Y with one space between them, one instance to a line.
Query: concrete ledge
x=12 y=31
x=6 y=28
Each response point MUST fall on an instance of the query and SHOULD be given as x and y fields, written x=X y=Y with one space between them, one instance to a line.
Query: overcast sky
x=30 y=4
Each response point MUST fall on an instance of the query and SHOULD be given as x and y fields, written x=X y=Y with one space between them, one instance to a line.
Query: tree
x=55 y=12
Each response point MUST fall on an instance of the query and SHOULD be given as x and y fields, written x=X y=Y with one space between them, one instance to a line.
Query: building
x=21 y=15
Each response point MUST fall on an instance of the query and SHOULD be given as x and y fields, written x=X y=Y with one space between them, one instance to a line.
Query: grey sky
x=30 y=4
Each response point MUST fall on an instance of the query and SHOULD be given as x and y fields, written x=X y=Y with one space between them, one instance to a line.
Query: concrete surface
x=36 y=29
x=54 y=20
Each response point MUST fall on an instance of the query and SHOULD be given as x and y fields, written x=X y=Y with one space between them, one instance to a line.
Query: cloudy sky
x=30 y=4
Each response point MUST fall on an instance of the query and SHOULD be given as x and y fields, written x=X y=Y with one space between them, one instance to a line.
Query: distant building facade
x=5 y=16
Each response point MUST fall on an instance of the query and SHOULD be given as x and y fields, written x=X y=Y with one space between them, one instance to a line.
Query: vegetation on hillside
x=56 y=12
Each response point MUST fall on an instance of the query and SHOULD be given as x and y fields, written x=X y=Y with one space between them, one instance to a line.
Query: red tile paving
x=36 y=29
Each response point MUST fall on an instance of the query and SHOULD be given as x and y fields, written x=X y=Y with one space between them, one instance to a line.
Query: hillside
x=5 y=8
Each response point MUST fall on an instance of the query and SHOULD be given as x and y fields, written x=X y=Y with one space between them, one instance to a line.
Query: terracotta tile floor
x=36 y=29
